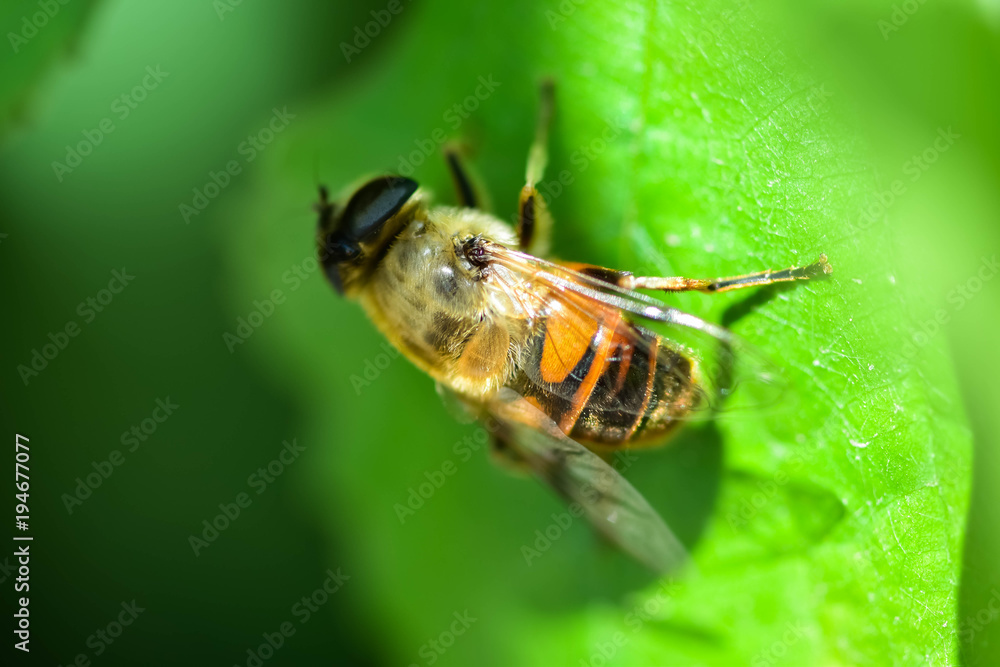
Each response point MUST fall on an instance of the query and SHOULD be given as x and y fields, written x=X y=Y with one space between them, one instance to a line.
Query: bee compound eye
x=373 y=204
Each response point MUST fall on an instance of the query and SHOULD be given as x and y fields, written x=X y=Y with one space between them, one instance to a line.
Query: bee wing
x=582 y=306
x=459 y=409
x=612 y=505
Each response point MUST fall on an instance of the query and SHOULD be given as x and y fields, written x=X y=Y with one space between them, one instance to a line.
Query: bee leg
x=534 y=224
x=470 y=193
x=610 y=276
x=818 y=268
x=468 y=189
x=507 y=457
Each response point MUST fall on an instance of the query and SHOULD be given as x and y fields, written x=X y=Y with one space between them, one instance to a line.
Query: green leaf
x=689 y=140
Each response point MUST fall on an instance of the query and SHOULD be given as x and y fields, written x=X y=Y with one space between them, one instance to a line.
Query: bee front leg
x=534 y=225
x=470 y=193
x=768 y=277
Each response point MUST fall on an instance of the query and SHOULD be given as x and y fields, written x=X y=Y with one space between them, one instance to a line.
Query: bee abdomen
x=626 y=387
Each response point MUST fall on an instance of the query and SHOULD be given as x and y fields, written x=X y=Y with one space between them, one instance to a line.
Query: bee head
x=352 y=236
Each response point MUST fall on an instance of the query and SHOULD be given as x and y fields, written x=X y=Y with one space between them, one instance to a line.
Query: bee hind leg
x=506 y=456
x=676 y=284
x=534 y=224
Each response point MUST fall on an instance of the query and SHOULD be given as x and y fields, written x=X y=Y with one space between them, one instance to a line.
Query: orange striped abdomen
x=603 y=380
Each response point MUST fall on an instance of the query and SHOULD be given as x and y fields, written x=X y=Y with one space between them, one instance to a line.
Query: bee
x=558 y=358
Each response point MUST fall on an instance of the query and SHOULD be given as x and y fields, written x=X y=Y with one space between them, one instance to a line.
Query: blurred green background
x=841 y=97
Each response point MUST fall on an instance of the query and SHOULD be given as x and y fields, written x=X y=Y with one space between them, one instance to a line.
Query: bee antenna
x=324 y=208
x=316 y=169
